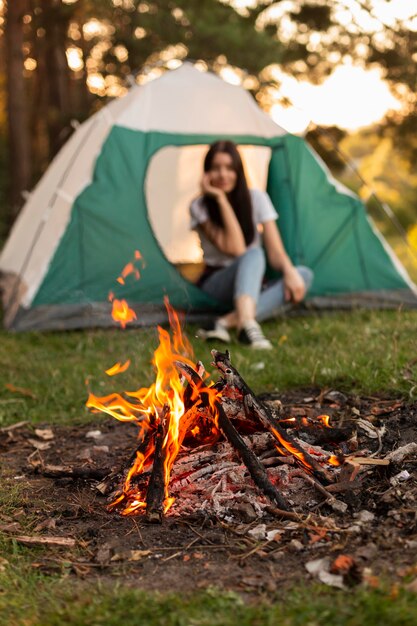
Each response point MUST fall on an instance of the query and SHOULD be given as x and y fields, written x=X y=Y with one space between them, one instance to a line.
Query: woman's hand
x=209 y=189
x=294 y=287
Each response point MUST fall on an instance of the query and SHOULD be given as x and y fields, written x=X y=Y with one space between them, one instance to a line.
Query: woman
x=228 y=217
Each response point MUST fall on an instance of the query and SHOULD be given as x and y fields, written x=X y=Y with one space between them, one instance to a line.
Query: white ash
x=215 y=481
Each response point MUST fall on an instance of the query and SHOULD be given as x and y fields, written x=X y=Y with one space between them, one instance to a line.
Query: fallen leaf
x=137 y=555
x=259 y=532
x=321 y=569
x=39 y=445
x=273 y=535
x=21 y=390
x=342 y=564
x=130 y=555
x=44 y=433
x=318 y=535
x=398 y=455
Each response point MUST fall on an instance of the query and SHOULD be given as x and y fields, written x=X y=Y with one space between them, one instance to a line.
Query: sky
x=351 y=97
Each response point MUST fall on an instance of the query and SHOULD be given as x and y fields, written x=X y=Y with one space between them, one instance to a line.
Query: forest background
x=62 y=60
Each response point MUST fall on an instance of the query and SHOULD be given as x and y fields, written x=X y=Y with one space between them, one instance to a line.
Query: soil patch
x=372 y=534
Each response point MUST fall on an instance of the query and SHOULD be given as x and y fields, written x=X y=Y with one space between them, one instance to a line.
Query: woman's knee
x=255 y=257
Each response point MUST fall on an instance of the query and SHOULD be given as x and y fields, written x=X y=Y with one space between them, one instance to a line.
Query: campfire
x=217 y=438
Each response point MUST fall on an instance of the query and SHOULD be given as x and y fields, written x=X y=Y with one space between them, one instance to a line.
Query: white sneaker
x=252 y=335
x=218 y=332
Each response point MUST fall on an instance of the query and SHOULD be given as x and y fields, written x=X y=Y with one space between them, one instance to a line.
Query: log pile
x=238 y=436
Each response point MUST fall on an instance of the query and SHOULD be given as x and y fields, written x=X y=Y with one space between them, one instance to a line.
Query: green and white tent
x=124 y=182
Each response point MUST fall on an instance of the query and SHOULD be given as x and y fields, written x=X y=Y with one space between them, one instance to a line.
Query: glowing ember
x=324 y=419
x=333 y=460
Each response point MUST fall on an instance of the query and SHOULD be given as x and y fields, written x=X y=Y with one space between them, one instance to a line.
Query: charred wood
x=156 y=488
x=255 y=467
x=254 y=408
x=68 y=471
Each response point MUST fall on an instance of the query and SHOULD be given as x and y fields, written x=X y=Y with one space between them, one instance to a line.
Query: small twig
x=8 y=429
x=258 y=547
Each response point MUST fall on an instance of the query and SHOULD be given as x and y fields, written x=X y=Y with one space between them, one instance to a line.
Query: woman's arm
x=228 y=239
x=294 y=287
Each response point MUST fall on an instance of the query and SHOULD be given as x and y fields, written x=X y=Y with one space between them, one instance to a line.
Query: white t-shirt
x=262 y=210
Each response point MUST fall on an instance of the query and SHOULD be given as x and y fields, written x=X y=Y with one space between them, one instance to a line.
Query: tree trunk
x=57 y=71
x=18 y=135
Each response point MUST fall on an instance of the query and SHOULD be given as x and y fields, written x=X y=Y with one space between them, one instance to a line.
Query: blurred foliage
x=105 y=43
x=371 y=164
x=325 y=142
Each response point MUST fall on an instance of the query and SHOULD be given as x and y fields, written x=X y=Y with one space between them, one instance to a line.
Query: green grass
x=39 y=601
x=359 y=352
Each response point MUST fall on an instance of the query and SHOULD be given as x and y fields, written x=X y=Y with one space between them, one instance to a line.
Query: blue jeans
x=244 y=276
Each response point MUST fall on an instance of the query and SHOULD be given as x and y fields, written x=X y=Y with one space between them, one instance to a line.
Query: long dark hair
x=239 y=197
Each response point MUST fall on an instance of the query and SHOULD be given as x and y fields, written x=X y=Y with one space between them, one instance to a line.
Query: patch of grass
x=358 y=352
x=36 y=600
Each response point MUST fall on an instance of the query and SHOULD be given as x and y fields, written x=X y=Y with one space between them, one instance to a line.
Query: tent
x=124 y=182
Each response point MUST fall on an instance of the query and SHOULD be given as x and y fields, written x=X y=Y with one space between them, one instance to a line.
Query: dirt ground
x=374 y=538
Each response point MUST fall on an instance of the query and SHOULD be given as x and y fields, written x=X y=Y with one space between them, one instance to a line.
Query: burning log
x=253 y=407
x=156 y=488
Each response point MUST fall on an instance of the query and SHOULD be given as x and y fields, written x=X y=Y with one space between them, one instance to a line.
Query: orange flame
x=287 y=445
x=118 y=368
x=333 y=460
x=324 y=419
x=122 y=313
x=146 y=406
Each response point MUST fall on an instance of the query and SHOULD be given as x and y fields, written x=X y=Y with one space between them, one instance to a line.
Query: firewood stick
x=255 y=467
x=155 y=494
x=254 y=407
x=68 y=471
